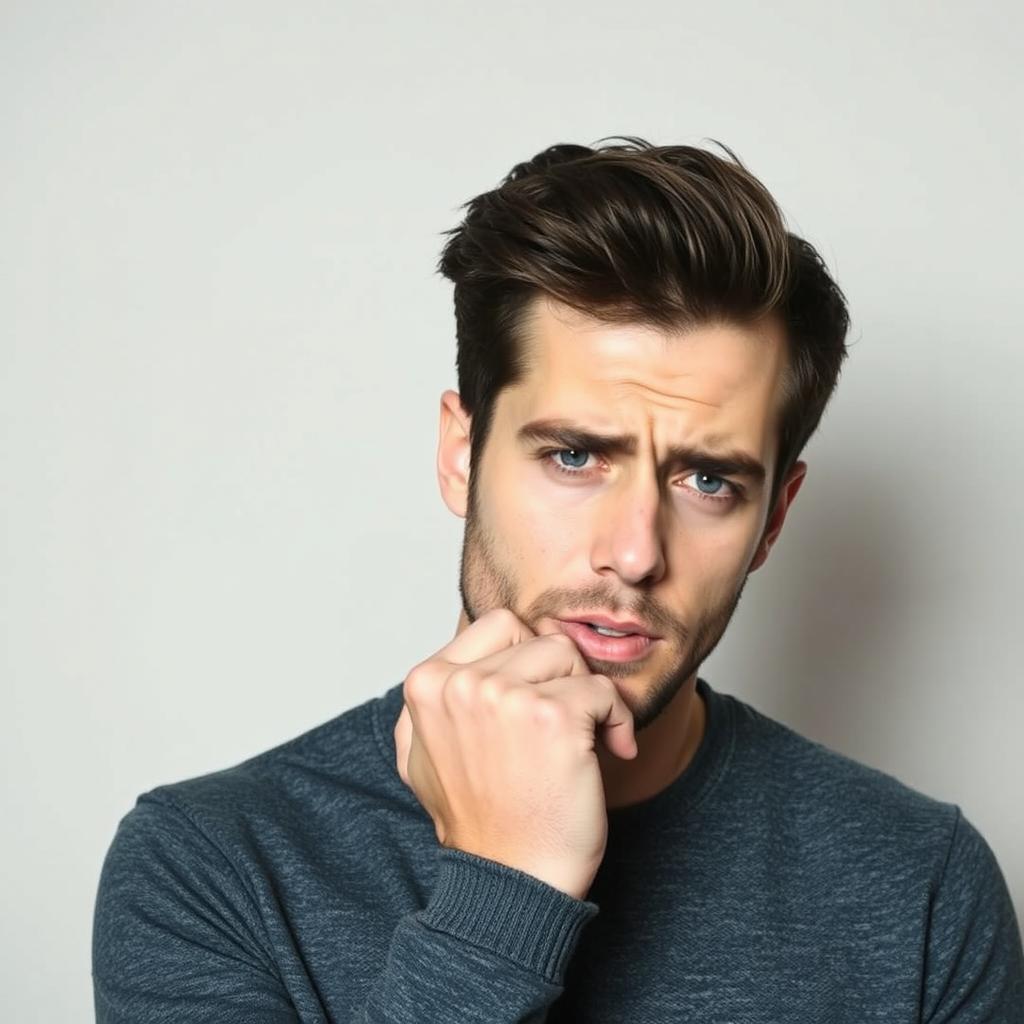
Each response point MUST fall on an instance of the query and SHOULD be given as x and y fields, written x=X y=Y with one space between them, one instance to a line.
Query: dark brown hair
x=668 y=236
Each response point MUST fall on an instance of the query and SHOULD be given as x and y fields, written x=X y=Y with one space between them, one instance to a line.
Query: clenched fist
x=497 y=741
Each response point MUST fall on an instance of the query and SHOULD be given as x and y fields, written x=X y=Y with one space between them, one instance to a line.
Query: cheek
x=709 y=564
x=548 y=541
x=522 y=522
x=546 y=529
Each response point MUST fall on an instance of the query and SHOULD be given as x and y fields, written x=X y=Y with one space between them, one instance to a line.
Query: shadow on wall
x=833 y=619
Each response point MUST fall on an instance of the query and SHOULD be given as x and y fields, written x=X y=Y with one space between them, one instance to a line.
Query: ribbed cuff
x=507 y=911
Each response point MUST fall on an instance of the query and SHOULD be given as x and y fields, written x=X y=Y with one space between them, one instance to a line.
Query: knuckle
x=549 y=714
x=462 y=684
x=547 y=711
x=523 y=701
x=491 y=688
x=519 y=698
x=517 y=706
x=469 y=672
x=419 y=683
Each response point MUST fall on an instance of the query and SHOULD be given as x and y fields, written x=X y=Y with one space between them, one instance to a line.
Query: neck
x=666 y=749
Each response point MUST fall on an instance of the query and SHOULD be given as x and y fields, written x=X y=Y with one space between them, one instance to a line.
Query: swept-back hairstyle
x=667 y=236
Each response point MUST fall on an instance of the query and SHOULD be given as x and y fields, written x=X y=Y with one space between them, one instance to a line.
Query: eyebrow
x=704 y=459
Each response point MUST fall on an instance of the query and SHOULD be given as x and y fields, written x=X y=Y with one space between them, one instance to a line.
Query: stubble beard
x=484 y=584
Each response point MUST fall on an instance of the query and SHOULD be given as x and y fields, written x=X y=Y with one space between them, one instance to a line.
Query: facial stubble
x=484 y=584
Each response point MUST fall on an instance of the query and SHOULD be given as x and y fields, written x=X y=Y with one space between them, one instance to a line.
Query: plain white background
x=222 y=345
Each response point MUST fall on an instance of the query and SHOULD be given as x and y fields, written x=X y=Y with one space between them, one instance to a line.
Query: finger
x=403 y=743
x=547 y=629
x=595 y=700
x=550 y=656
x=495 y=630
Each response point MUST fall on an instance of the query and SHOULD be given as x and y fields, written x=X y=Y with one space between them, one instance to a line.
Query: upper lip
x=625 y=626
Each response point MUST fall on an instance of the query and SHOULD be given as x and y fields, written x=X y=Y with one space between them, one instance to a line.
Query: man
x=553 y=817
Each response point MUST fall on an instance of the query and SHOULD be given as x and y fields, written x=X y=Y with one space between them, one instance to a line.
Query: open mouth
x=605 y=631
x=607 y=644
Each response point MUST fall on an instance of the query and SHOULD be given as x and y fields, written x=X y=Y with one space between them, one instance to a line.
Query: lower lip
x=608 y=648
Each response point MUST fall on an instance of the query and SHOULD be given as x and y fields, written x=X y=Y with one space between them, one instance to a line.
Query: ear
x=787 y=492
x=453 y=453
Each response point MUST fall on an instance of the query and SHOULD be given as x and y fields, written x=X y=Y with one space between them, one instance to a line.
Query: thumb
x=403 y=743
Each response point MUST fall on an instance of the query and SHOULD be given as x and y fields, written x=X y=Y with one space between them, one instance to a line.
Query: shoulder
x=189 y=883
x=866 y=842
x=287 y=788
x=836 y=804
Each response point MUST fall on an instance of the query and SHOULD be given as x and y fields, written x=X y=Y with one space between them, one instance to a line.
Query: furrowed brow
x=704 y=459
x=572 y=436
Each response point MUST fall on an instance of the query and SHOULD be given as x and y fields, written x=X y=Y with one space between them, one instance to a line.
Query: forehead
x=721 y=378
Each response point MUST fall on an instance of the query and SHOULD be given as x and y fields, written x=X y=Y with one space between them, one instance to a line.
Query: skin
x=625 y=536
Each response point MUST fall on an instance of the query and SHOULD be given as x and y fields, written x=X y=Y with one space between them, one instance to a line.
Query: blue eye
x=705 y=476
x=717 y=483
x=577 y=453
x=571 y=462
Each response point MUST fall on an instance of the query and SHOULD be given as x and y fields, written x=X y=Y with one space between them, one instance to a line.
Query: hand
x=497 y=741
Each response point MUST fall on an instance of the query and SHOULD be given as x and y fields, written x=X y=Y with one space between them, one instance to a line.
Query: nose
x=629 y=535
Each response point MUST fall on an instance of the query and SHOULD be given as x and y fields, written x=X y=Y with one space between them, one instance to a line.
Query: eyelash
x=548 y=452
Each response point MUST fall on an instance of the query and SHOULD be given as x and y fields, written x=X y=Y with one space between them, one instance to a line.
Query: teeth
x=606 y=632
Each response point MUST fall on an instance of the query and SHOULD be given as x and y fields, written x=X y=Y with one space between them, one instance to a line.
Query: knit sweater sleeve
x=975 y=965
x=178 y=936
x=492 y=942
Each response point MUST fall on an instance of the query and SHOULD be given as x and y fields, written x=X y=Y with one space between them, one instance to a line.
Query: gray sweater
x=774 y=880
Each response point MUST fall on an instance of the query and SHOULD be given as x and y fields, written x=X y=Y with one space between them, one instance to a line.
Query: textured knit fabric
x=773 y=881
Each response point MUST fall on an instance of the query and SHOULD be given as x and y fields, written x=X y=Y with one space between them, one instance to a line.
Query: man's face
x=554 y=531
